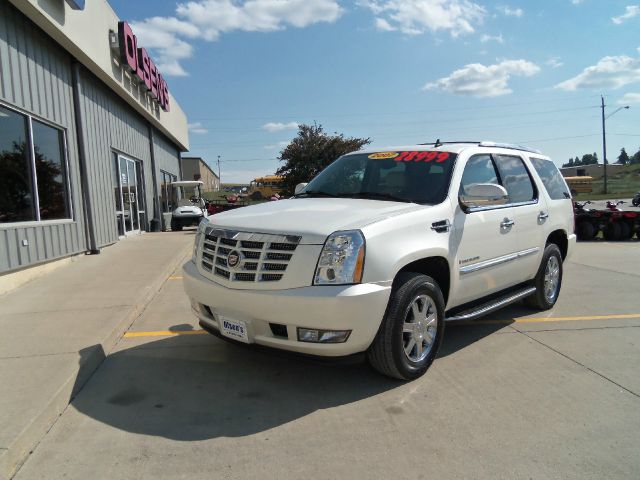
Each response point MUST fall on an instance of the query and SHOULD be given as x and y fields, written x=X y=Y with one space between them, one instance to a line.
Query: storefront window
x=31 y=189
x=48 y=144
x=16 y=185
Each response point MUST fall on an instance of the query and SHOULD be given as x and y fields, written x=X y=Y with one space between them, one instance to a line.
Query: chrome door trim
x=497 y=261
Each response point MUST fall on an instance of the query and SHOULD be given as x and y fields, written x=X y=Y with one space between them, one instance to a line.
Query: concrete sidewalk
x=56 y=331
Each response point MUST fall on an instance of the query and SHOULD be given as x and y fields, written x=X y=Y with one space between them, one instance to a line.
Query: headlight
x=341 y=260
x=202 y=227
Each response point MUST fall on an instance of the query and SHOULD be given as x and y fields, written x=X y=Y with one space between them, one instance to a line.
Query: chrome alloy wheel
x=419 y=328
x=552 y=279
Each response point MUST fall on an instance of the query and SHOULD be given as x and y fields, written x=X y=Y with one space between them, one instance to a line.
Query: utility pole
x=219 y=178
x=604 y=145
x=604 y=136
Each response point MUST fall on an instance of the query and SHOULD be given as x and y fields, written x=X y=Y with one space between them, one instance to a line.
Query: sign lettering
x=141 y=66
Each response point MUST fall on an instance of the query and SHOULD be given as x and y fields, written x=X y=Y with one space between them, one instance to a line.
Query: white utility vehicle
x=189 y=206
x=381 y=248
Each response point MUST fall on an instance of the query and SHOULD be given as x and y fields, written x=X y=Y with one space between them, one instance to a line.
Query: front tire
x=548 y=280
x=412 y=329
x=176 y=226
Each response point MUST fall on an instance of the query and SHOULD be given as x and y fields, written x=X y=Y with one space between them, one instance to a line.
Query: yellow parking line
x=175 y=277
x=163 y=333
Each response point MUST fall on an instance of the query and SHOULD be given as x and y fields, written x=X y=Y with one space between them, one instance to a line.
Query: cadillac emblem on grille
x=233 y=259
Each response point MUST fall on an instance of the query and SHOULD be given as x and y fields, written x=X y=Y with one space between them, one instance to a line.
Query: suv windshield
x=400 y=176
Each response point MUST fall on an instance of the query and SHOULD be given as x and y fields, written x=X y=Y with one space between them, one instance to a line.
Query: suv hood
x=312 y=218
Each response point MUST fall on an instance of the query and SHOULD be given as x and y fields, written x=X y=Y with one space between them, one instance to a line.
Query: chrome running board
x=491 y=306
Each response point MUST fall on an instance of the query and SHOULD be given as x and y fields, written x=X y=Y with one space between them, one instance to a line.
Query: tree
x=568 y=164
x=623 y=158
x=636 y=158
x=589 y=159
x=311 y=151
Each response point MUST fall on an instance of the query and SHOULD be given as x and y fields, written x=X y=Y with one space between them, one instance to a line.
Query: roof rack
x=485 y=143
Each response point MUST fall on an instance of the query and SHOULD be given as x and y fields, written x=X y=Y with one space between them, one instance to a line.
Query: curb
x=12 y=458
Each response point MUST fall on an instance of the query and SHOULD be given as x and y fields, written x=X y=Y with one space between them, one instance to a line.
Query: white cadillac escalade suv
x=383 y=247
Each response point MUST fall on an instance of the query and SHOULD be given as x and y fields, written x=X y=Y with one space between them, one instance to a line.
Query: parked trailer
x=614 y=223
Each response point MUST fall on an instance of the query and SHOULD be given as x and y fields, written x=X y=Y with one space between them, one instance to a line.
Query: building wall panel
x=35 y=77
x=111 y=127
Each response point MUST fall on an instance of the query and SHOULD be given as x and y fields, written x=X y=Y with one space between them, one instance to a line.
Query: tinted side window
x=479 y=169
x=551 y=178
x=515 y=178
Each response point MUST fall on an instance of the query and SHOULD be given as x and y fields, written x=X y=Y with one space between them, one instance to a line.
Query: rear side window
x=515 y=178
x=551 y=178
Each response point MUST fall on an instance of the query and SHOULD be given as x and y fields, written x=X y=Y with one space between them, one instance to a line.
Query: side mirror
x=483 y=195
x=299 y=188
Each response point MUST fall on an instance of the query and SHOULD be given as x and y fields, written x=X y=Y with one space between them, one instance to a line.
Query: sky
x=247 y=72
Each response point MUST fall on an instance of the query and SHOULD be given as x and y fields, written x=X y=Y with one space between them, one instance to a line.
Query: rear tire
x=412 y=329
x=612 y=231
x=586 y=230
x=626 y=231
x=548 y=280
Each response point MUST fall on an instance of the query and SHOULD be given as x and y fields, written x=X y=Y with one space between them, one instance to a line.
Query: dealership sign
x=139 y=63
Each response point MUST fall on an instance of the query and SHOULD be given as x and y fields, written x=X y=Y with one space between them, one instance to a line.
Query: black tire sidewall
x=413 y=286
x=550 y=250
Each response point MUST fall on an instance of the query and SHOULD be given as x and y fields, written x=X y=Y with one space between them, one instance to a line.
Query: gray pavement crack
x=604 y=377
x=106 y=307
x=605 y=269
x=577 y=329
x=36 y=355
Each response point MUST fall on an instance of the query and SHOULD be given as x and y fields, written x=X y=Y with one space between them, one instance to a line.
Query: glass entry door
x=130 y=206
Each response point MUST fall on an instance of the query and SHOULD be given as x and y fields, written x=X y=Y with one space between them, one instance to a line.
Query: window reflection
x=18 y=180
x=50 y=171
x=16 y=186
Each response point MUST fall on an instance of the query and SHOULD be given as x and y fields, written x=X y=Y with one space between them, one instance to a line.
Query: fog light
x=322 y=336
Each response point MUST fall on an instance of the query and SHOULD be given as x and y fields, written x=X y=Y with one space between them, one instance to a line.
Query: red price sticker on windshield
x=421 y=156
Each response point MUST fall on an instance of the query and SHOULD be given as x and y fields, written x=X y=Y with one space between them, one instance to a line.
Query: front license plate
x=235 y=329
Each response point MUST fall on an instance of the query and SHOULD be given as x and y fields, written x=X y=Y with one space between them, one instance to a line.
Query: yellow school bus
x=265 y=187
x=579 y=184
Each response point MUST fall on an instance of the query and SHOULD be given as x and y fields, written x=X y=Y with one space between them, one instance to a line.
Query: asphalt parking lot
x=519 y=394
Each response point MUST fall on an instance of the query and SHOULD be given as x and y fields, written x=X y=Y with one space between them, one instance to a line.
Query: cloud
x=609 y=72
x=554 y=62
x=197 y=128
x=489 y=38
x=511 y=12
x=630 y=99
x=414 y=17
x=170 y=37
x=630 y=12
x=161 y=36
x=382 y=24
x=478 y=80
x=279 y=126
x=577 y=2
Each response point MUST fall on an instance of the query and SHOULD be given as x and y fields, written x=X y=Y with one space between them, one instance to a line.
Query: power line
x=432 y=122
x=557 y=138
x=395 y=112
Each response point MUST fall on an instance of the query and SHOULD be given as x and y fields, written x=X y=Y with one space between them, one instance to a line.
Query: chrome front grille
x=260 y=257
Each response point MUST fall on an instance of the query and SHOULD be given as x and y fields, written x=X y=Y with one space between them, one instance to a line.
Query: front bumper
x=358 y=308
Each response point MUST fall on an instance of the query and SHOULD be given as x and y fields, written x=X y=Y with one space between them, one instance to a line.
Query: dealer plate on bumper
x=235 y=329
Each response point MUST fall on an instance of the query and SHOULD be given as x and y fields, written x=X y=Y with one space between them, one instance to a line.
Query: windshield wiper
x=315 y=193
x=376 y=196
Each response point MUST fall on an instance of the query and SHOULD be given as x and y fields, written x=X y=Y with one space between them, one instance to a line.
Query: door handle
x=543 y=216
x=507 y=223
